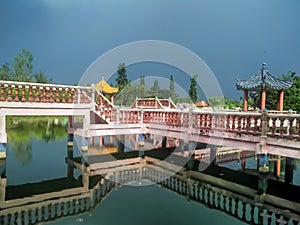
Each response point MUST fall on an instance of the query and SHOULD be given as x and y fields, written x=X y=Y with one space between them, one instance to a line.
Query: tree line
x=129 y=91
x=21 y=69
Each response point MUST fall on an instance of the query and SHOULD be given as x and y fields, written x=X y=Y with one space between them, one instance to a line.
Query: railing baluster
x=23 y=93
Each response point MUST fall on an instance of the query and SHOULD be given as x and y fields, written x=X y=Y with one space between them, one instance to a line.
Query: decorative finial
x=102 y=77
x=264 y=65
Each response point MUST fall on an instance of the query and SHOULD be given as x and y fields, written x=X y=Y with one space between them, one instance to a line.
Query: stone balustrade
x=276 y=125
x=51 y=210
x=234 y=204
x=272 y=124
x=43 y=93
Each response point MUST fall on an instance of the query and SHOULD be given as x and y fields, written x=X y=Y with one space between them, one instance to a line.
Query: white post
x=3 y=136
x=142 y=116
x=93 y=94
x=190 y=122
x=118 y=115
x=78 y=96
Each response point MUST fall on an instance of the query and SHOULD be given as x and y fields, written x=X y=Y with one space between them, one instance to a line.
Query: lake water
x=36 y=153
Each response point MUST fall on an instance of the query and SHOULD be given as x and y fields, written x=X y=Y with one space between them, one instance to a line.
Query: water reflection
x=21 y=131
x=238 y=196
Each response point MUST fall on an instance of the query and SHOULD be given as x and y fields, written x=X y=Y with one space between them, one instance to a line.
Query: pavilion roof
x=105 y=87
x=263 y=79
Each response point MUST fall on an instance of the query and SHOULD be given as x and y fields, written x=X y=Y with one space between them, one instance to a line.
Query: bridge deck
x=262 y=132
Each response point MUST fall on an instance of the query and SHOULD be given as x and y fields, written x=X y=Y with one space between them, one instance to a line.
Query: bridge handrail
x=102 y=96
x=43 y=85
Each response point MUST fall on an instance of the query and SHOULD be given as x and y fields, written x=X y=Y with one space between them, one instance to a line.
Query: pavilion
x=261 y=82
x=103 y=86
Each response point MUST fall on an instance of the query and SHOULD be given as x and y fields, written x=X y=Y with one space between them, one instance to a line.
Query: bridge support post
x=277 y=167
x=111 y=140
x=2 y=179
x=101 y=141
x=3 y=136
x=2 y=188
x=85 y=127
x=213 y=154
x=85 y=144
x=121 y=140
x=164 y=142
x=181 y=145
x=70 y=169
x=70 y=131
x=262 y=184
x=70 y=140
x=92 y=140
x=263 y=163
x=85 y=180
x=154 y=139
x=289 y=170
x=243 y=160
x=191 y=164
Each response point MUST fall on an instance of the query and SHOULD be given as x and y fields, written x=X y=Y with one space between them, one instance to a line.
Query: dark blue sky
x=233 y=37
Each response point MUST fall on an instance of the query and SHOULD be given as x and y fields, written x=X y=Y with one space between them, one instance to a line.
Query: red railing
x=276 y=125
x=43 y=93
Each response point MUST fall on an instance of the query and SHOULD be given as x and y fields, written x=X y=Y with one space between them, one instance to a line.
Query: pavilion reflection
x=250 y=198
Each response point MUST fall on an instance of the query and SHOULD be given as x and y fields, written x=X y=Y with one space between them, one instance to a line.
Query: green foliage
x=172 y=87
x=127 y=96
x=217 y=102
x=21 y=70
x=40 y=77
x=5 y=72
x=121 y=79
x=20 y=131
x=155 y=88
x=193 y=92
x=229 y=104
x=223 y=103
x=291 y=96
x=22 y=66
x=142 y=88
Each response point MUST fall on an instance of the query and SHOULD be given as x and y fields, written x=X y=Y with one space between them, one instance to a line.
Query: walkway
x=261 y=132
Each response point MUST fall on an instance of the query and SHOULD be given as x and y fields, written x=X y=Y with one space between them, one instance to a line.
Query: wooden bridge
x=262 y=132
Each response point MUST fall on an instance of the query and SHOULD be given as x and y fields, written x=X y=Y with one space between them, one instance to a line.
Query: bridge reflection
x=249 y=198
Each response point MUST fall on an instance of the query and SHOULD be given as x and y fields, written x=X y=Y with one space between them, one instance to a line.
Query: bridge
x=262 y=132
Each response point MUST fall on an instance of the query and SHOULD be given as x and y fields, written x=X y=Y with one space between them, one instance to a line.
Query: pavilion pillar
x=101 y=141
x=245 y=100
x=111 y=140
x=280 y=100
x=112 y=98
x=263 y=99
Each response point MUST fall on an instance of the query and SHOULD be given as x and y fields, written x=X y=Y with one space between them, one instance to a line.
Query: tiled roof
x=263 y=79
x=105 y=87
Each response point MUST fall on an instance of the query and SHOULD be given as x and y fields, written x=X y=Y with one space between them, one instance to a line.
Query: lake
x=36 y=166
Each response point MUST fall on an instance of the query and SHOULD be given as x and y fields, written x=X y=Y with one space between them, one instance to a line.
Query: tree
x=142 y=87
x=172 y=87
x=292 y=95
x=121 y=79
x=193 y=92
x=155 y=88
x=217 y=102
x=22 y=69
x=40 y=77
x=5 y=72
x=22 y=66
